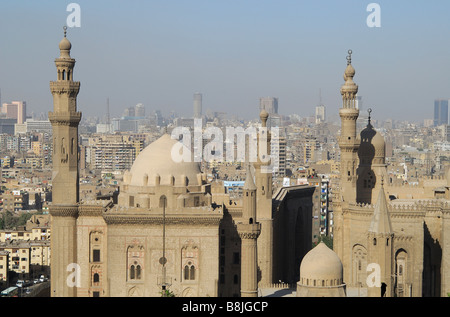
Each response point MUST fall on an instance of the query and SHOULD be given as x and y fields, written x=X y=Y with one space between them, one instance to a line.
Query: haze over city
x=159 y=53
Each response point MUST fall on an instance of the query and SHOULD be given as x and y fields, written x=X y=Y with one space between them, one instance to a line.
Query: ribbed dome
x=379 y=145
x=156 y=160
x=321 y=263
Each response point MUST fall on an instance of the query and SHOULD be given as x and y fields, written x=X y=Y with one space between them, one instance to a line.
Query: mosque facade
x=392 y=240
x=170 y=231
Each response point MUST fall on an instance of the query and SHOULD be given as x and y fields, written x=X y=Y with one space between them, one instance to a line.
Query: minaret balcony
x=249 y=230
x=65 y=87
x=64 y=117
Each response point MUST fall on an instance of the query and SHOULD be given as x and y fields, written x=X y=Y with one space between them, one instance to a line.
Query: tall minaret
x=263 y=179
x=65 y=188
x=249 y=230
x=348 y=140
x=380 y=247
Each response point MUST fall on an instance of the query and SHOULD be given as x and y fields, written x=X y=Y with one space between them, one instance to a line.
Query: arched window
x=189 y=272
x=138 y=272
x=135 y=272
x=374 y=241
x=132 y=272
x=96 y=278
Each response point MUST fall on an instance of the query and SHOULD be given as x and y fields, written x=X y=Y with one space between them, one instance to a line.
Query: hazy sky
x=160 y=52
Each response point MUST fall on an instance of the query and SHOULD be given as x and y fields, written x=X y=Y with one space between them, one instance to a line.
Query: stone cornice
x=131 y=219
x=64 y=211
x=91 y=211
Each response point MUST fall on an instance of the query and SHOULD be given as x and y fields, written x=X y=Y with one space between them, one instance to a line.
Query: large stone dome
x=321 y=264
x=157 y=161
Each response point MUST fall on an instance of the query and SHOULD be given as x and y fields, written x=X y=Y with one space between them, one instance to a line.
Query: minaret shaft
x=348 y=140
x=65 y=182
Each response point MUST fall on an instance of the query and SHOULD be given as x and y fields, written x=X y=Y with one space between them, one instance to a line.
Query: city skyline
x=159 y=54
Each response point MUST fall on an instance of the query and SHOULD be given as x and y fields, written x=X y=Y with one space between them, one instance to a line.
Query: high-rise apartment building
x=320 y=114
x=197 y=105
x=270 y=104
x=440 y=112
x=139 y=110
x=16 y=110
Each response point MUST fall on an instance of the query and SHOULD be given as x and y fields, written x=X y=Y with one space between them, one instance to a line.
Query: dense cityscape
x=307 y=152
x=339 y=200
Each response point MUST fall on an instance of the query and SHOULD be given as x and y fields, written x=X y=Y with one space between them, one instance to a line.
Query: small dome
x=156 y=160
x=65 y=44
x=349 y=72
x=321 y=263
x=379 y=145
x=263 y=114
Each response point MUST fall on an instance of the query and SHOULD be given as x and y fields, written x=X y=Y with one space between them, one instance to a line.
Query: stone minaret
x=249 y=231
x=348 y=140
x=349 y=144
x=380 y=246
x=263 y=180
x=65 y=188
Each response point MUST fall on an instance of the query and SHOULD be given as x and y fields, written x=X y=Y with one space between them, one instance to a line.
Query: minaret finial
x=65 y=31
x=369 y=111
x=349 y=57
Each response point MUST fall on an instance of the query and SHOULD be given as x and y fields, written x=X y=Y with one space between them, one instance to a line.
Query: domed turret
x=65 y=46
x=372 y=148
x=379 y=146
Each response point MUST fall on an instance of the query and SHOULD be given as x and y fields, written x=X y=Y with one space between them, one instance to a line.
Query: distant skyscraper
x=129 y=112
x=197 y=105
x=320 y=114
x=139 y=110
x=16 y=110
x=359 y=103
x=270 y=104
x=440 y=112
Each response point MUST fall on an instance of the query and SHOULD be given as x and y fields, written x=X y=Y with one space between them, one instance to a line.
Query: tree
x=327 y=240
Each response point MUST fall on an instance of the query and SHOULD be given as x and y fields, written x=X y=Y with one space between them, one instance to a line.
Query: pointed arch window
x=189 y=272
x=135 y=272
